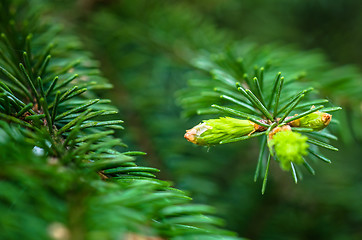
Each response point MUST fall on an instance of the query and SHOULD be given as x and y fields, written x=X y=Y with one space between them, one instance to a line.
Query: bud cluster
x=287 y=146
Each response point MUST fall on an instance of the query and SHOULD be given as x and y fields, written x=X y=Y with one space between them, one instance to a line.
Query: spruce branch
x=57 y=146
x=274 y=123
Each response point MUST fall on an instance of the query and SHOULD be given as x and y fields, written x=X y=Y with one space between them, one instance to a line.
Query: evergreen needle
x=259 y=105
x=308 y=167
x=324 y=159
x=294 y=172
x=322 y=144
x=265 y=175
x=277 y=96
x=260 y=158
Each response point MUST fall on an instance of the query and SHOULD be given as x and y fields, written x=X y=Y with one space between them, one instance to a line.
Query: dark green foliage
x=56 y=148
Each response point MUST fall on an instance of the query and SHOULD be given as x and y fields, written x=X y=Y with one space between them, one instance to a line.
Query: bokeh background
x=144 y=48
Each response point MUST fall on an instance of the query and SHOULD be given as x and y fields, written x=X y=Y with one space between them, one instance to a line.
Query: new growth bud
x=213 y=131
x=316 y=120
x=288 y=146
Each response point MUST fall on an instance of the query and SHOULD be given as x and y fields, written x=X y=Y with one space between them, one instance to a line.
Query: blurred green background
x=145 y=48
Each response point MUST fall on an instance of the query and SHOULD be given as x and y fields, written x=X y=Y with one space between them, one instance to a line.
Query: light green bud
x=289 y=147
x=316 y=120
x=213 y=131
